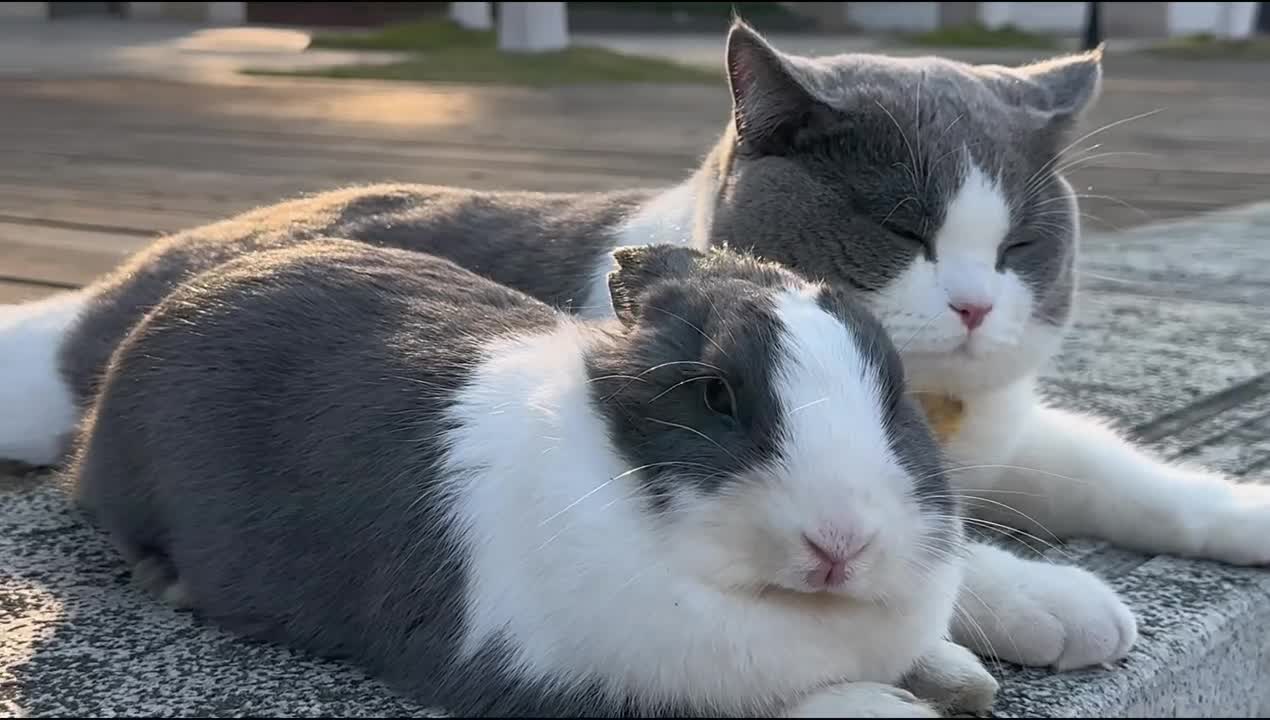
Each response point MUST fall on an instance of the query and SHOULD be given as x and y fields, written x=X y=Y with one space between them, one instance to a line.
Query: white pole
x=1241 y=20
x=532 y=27
x=472 y=15
x=1223 y=19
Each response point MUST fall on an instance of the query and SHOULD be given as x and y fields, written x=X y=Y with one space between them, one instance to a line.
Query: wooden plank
x=17 y=292
x=59 y=256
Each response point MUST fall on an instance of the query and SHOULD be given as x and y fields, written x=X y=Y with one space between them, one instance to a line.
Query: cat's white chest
x=987 y=434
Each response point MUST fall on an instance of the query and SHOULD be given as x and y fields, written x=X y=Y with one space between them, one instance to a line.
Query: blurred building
x=1119 y=19
x=233 y=13
x=1123 y=19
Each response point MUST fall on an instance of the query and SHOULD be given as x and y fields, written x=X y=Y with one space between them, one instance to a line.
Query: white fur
x=670 y=218
x=587 y=583
x=939 y=352
x=1040 y=614
x=1054 y=473
x=1067 y=474
x=37 y=411
x=953 y=679
x=862 y=700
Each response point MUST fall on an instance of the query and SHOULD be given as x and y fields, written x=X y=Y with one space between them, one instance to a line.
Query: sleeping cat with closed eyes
x=928 y=186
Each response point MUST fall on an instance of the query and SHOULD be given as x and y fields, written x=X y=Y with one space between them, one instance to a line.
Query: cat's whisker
x=1078 y=162
x=917 y=332
x=1088 y=196
x=1092 y=133
x=898 y=205
x=903 y=135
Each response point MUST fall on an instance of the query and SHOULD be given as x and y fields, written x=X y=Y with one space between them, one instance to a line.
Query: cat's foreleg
x=1070 y=475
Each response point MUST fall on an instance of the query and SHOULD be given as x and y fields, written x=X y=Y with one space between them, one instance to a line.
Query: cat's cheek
x=914 y=310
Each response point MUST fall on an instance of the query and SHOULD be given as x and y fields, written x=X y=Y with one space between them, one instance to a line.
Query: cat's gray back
x=546 y=245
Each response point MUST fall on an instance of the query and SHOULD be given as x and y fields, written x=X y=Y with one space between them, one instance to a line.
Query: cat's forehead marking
x=976 y=218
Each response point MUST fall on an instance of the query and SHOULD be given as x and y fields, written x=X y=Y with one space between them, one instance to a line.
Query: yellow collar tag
x=944 y=413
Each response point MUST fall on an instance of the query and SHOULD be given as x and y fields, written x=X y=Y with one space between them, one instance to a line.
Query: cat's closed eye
x=907 y=235
x=1015 y=246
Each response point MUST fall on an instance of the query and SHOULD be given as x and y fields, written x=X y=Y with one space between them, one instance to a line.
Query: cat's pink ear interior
x=768 y=101
x=1073 y=82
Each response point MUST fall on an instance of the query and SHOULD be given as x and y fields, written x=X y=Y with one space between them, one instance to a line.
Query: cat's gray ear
x=639 y=267
x=768 y=102
x=1071 y=84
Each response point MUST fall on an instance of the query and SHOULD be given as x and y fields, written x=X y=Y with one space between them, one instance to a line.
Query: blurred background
x=121 y=120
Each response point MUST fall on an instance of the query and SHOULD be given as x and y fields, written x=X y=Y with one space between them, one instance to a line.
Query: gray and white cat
x=927 y=185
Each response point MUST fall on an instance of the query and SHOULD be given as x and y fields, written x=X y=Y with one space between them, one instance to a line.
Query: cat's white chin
x=983 y=364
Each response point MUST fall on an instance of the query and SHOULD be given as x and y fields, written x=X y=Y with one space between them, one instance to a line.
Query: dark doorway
x=1263 y=18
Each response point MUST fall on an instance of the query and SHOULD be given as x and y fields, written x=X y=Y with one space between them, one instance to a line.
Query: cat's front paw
x=1240 y=533
x=862 y=700
x=1042 y=615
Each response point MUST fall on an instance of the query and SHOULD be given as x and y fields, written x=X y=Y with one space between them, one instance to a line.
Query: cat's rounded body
x=374 y=455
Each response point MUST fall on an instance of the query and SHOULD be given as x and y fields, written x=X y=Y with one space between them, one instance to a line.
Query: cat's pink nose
x=972 y=315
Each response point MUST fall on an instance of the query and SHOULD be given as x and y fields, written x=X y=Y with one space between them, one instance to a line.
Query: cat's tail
x=37 y=410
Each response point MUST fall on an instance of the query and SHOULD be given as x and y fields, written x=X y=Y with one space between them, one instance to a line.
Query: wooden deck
x=90 y=169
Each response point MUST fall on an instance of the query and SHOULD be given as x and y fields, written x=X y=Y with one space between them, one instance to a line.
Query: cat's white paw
x=862 y=700
x=1240 y=534
x=1041 y=614
x=954 y=679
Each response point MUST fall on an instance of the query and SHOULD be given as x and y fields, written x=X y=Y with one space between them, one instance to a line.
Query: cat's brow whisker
x=898 y=205
x=912 y=156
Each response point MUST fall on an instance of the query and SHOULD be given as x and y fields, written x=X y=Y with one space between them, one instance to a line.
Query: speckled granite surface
x=1173 y=343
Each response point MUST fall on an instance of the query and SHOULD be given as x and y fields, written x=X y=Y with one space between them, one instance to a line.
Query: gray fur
x=544 y=245
x=827 y=191
x=843 y=166
x=263 y=439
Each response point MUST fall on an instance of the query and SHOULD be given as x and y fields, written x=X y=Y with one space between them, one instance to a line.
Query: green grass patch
x=427 y=35
x=978 y=36
x=443 y=52
x=1209 y=47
